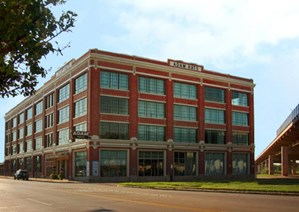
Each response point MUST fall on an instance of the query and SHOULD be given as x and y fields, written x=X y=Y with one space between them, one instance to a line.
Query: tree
x=27 y=30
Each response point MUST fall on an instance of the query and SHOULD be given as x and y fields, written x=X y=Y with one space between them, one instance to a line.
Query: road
x=19 y=195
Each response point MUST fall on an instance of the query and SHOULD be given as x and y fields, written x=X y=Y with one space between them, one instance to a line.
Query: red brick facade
x=61 y=158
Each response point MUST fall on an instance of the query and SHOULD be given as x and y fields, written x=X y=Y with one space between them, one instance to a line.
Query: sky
x=256 y=39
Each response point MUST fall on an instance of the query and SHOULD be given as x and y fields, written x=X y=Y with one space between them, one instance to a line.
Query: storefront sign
x=80 y=134
x=189 y=66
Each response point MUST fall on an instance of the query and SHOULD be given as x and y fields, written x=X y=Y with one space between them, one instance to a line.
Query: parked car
x=21 y=174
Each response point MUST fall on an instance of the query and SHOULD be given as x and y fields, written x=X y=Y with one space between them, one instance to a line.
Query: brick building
x=115 y=117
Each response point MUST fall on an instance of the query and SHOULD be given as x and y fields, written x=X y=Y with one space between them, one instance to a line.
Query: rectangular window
x=29 y=113
x=28 y=162
x=21 y=118
x=110 y=130
x=81 y=83
x=240 y=138
x=39 y=108
x=21 y=147
x=187 y=135
x=240 y=119
x=49 y=140
x=150 y=163
x=80 y=108
x=14 y=122
x=21 y=133
x=14 y=135
x=113 y=80
x=184 y=163
x=49 y=120
x=240 y=164
x=38 y=143
x=38 y=163
x=63 y=136
x=214 y=164
x=113 y=163
x=80 y=164
x=14 y=149
x=63 y=115
x=151 y=85
x=185 y=91
x=214 y=116
x=38 y=125
x=185 y=113
x=239 y=98
x=29 y=145
x=214 y=95
x=114 y=105
x=50 y=100
x=29 y=129
x=151 y=109
x=214 y=137
x=80 y=127
x=64 y=93
x=151 y=133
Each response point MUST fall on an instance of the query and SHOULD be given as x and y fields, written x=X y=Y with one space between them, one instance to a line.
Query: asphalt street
x=19 y=195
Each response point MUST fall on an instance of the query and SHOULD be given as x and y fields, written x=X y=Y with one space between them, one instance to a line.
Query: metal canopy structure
x=283 y=149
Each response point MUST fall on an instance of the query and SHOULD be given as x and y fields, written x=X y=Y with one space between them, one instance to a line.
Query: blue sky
x=253 y=39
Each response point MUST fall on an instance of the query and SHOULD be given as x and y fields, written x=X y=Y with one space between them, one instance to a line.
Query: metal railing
x=290 y=119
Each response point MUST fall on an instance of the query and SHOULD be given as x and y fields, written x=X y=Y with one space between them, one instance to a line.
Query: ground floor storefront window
x=113 y=163
x=214 y=163
x=80 y=164
x=184 y=163
x=240 y=163
x=151 y=163
x=28 y=163
x=37 y=165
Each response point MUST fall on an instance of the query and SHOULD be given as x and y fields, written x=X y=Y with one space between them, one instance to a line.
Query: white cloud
x=215 y=31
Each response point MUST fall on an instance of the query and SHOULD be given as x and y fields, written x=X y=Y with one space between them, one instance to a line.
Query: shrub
x=60 y=176
x=53 y=176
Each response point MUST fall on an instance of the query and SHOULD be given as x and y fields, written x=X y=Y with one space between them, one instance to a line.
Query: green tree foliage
x=27 y=30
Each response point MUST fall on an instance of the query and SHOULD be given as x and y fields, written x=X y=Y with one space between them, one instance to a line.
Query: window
x=29 y=113
x=38 y=125
x=50 y=120
x=50 y=100
x=151 y=163
x=14 y=149
x=113 y=80
x=114 y=105
x=63 y=115
x=38 y=163
x=214 y=163
x=239 y=98
x=28 y=162
x=110 y=130
x=113 y=163
x=80 y=127
x=29 y=129
x=151 y=109
x=186 y=113
x=184 y=163
x=39 y=108
x=14 y=135
x=151 y=85
x=240 y=163
x=14 y=122
x=214 y=116
x=29 y=145
x=63 y=136
x=21 y=133
x=49 y=140
x=214 y=95
x=64 y=93
x=80 y=164
x=81 y=83
x=214 y=137
x=21 y=118
x=187 y=135
x=185 y=91
x=240 y=138
x=21 y=147
x=151 y=133
x=38 y=143
x=240 y=119
x=80 y=107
